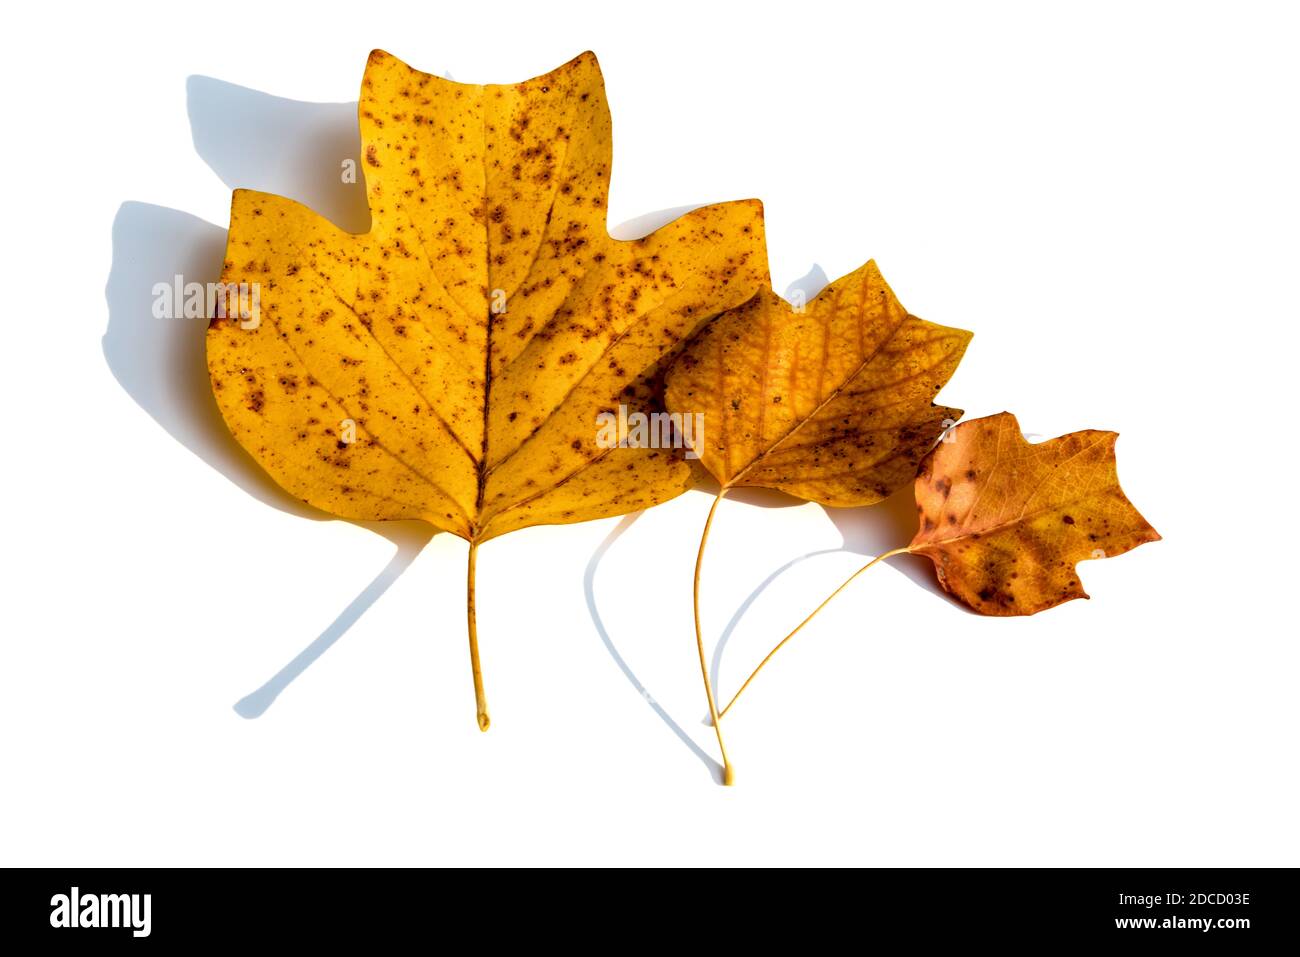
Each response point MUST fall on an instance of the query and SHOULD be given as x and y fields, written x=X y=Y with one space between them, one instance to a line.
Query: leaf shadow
x=867 y=531
x=807 y=286
x=589 y=589
x=253 y=140
x=875 y=529
x=640 y=226
x=254 y=705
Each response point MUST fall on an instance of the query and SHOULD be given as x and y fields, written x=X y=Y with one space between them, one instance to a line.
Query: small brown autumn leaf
x=450 y=364
x=1005 y=521
x=831 y=404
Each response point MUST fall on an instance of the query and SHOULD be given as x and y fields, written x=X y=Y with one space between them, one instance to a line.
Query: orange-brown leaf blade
x=1005 y=521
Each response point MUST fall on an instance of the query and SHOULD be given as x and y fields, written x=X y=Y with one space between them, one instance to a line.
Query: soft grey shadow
x=256 y=141
x=715 y=669
x=253 y=705
x=868 y=531
x=640 y=226
x=294 y=149
x=887 y=525
x=589 y=587
x=758 y=497
x=807 y=286
x=161 y=365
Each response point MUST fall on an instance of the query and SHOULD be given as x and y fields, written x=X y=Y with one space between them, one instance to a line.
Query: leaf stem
x=728 y=775
x=848 y=581
x=480 y=699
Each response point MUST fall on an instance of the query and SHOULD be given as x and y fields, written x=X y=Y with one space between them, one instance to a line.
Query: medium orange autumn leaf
x=1005 y=521
x=450 y=364
x=832 y=404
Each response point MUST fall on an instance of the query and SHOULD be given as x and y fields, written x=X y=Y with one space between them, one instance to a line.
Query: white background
x=1106 y=195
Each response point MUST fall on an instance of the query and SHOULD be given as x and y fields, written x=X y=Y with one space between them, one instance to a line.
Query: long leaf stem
x=728 y=774
x=480 y=699
x=848 y=581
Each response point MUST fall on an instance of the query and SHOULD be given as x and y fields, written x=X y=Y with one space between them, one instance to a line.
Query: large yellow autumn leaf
x=450 y=364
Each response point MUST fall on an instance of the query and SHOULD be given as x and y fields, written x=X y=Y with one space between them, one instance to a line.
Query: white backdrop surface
x=194 y=672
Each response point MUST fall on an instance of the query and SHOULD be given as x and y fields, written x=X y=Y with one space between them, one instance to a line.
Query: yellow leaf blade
x=469 y=340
